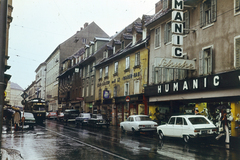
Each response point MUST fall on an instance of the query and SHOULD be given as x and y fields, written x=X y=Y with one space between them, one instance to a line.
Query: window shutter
x=164 y=74
x=201 y=62
x=153 y=74
x=160 y=75
x=136 y=87
x=165 y=33
x=201 y=15
x=170 y=74
x=176 y=74
x=213 y=10
x=237 y=53
x=187 y=22
x=156 y=37
x=210 y=61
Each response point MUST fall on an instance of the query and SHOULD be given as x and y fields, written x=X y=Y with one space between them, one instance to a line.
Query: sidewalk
x=10 y=154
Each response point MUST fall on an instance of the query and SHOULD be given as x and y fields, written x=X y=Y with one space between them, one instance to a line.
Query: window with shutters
x=186 y=22
x=136 y=86
x=99 y=93
x=168 y=32
x=100 y=73
x=157 y=37
x=92 y=90
x=83 y=72
x=127 y=63
x=208 y=12
x=237 y=53
x=126 y=89
x=87 y=88
x=116 y=68
x=237 y=6
x=205 y=61
x=106 y=71
x=137 y=59
x=88 y=70
x=115 y=91
x=83 y=92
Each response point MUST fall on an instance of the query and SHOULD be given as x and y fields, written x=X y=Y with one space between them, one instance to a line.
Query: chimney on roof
x=158 y=6
x=85 y=25
x=81 y=28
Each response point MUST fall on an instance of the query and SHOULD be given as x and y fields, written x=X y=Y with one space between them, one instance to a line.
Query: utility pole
x=3 y=37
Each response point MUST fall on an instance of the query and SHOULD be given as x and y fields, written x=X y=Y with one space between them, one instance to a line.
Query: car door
x=185 y=127
x=168 y=129
x=178 y=127
x=126 y=124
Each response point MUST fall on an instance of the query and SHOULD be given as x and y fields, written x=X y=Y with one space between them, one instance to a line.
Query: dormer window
x=105 y=54
x=134 y=39
x=165 y=4
x=114 y=50
x=123 y=45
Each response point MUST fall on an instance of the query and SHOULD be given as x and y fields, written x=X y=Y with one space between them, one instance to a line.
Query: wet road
x=58 y=141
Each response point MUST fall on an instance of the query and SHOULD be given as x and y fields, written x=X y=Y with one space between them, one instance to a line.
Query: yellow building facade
x=120 y=82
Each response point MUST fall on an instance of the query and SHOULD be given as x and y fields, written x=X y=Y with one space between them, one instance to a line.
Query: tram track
x=74 y=138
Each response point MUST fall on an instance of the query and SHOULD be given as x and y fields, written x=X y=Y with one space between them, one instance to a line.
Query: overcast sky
x=39 y=26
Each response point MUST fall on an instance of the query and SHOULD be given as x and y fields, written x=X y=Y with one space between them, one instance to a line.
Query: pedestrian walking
x=16 y=119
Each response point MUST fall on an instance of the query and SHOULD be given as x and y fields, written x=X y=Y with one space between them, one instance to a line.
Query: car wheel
x=160 y=135
x=123 y=130
x=134 y=131
x=186 y=138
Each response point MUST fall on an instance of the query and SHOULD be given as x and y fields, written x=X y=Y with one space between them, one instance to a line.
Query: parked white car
x=138 y=123
x=186 y=127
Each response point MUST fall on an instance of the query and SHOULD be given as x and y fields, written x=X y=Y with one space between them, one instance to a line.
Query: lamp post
x=3 y=35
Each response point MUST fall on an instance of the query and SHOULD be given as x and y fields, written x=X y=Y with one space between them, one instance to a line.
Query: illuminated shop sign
x=175 y=63
x=177 y=28
x=226 y=80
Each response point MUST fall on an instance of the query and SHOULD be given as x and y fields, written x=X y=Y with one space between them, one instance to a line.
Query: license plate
x=204 y=132
x=147 y=126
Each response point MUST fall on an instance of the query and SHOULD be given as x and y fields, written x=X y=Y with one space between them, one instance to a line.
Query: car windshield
x=30 y=115
x=140 y=118
x=198 y=120
x=39 y=108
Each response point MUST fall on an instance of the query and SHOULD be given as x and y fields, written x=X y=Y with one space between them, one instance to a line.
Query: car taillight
x=141 y=126
x=155 y=125
x=196 y=130
x=214 y=130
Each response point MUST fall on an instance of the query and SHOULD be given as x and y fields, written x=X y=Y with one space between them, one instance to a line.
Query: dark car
x=82 y=119
x=70 y=114
x=97 y=120
x=28 y=119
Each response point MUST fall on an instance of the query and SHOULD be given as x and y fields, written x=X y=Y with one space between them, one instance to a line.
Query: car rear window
x=198 y=120
x=143 y=119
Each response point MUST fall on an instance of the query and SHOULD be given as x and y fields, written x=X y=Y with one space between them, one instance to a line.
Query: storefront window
x=126 y=110
x=119 y=114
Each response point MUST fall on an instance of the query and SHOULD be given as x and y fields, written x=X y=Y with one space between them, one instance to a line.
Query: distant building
x=62 y=51
x=40 y=81
x=14 y=92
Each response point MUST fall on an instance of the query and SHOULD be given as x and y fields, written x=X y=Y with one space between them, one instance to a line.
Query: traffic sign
x=24 y=95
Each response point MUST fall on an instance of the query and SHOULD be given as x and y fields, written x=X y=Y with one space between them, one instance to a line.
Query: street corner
x=11 y=154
